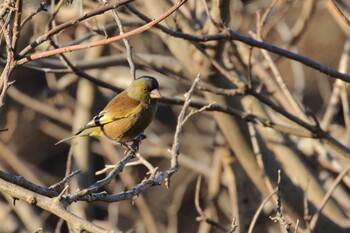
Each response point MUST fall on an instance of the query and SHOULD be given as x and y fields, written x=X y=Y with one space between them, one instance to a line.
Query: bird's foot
x=128 y=148
x=134 y=147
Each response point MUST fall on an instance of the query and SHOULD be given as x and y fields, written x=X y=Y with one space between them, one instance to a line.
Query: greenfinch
x=127 y=115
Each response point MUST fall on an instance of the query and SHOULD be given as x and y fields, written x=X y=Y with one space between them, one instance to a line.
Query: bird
x=126 y=116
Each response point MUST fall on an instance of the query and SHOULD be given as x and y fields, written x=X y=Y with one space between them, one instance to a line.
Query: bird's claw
x=134 y=147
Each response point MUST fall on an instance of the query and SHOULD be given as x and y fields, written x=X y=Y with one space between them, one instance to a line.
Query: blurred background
x=237 y=160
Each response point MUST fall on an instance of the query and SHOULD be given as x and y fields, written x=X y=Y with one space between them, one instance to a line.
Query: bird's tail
x=82 y=132
x=79 y=133
x=67 y=138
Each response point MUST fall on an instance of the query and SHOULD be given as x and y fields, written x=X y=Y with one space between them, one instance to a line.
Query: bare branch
x=100 y=42
x=258 y=211
x=59 y=28
x=127 y=45
x=279 y=216
x=231 y=35
x=53 y=205
x=203 y=217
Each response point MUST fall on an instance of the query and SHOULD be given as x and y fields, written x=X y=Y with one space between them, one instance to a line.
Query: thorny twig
x=279 y=216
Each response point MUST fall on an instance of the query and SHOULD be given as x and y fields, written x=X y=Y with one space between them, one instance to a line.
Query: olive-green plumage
x=126 y=115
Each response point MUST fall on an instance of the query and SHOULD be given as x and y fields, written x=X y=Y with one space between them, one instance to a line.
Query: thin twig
x=279 y=216
x=258 y=211
x=42 y=7
x=327 y=197
x=202 y=109
x=141 y=160
x=175 y=150
x=65 y=179
x=127 y=45
x=5 y=83
x=202 y=216
x=64 y=190
x=16 y=24
x=281 y=83
x=151 y=170
x=337 y=9
x=105 y=169
x=261 y=20
x=212 y=20
x=55 y=9
x=296 y=226
x=299 y=27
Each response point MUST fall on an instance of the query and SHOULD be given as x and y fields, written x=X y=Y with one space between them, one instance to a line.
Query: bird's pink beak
x=155 y=94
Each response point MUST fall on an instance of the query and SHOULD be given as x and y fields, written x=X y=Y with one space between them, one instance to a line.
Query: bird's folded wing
x=118 y=108
x=122 y=106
